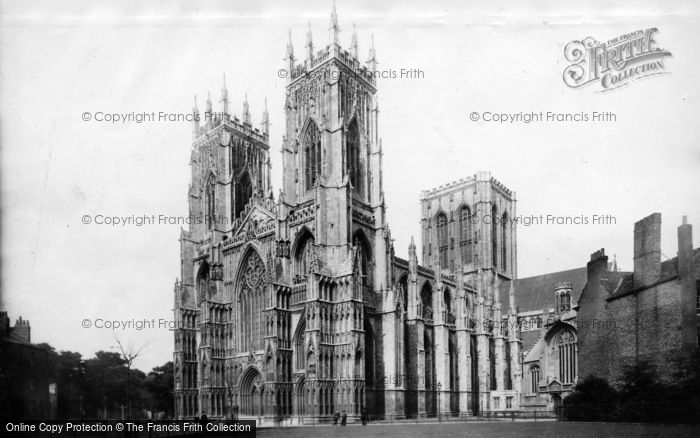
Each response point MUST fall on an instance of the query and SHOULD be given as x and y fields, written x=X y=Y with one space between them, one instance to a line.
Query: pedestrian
x=344 y=421
x=336 y=416
x=364 y=417
x=204 y=419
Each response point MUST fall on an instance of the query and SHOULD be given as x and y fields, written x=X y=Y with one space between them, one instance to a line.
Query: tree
x=593 y=399
x=684 y=390
x=643 y=398
x=129 y=353
x=159 y=389
x=107 y=382
x=68 y=372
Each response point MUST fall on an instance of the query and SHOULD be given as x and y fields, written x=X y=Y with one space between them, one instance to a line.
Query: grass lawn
x=491 y=429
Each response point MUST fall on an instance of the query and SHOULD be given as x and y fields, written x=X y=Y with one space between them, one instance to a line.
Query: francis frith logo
x=615 y=63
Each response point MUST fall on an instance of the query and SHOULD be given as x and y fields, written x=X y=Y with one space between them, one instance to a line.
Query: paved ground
x=491 y=429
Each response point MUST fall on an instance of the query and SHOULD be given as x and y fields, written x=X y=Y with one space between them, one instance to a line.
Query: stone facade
x=297 y=306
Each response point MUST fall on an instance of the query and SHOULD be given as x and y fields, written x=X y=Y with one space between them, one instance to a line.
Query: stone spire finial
x=195 y=118
x=266 y=120
x=246 y=110
x=290 y=47
x=335 y=29
x=372 y=61
x=353 y=45
x=208 y=106
x=224 y=95
x=309 y=43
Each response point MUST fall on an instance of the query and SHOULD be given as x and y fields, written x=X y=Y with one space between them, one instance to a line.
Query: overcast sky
x=59 y=60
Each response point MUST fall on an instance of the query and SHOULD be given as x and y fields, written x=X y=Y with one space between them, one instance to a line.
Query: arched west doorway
x=251 y=393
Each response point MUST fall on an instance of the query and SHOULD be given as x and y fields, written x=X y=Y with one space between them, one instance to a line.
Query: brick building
x=594 y=320
x=24 y=373
x=650 y=314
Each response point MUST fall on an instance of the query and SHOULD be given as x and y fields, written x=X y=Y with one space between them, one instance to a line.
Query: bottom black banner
x=131 y=428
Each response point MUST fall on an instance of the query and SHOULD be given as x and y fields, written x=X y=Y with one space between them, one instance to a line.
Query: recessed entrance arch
x=251 y=393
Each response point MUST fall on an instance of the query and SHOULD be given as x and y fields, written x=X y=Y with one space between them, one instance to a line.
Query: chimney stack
x=647 y=250
x=4 y=324
x=22 y=329
x=686 y=278
x=685 y=248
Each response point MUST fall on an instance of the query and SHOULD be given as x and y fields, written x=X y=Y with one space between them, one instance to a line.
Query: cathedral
x=297 y=305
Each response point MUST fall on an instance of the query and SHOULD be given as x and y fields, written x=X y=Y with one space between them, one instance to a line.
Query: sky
x=59 y=61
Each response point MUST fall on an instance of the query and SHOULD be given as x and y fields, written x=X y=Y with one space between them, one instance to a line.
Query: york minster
x=296 y=304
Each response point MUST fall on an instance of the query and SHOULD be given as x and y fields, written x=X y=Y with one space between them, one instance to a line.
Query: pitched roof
x=529 y=339
x=668 y=271
x=537 y=293
x=15 y=338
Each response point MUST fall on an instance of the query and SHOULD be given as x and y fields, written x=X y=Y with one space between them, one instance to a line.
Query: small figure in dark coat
x=336 y=417
x=364 y=417
x=344 y=421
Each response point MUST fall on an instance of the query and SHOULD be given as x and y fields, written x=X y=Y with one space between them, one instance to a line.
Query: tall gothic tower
x=230 y=167
x=331 y=149
x=333 y=195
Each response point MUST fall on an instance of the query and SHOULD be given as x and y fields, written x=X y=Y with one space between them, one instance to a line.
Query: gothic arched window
x=251 y=288
x=210 y=200
x=566 y=345
x=465 y=234
x=242 y=194
x=447 y=300
x=354 y=163
x=441 y=221
x=312 y=156
x=494 y=236
x=299 y=346
x=504 y=241
x=364 y=262
x=203 y=282
x=403 y=290
x=534 y=378
x=302 y=259
x=426 y=299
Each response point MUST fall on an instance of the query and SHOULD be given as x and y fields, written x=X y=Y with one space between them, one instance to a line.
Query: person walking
x=364 y=417
x=336 y=417
x=344 y=421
